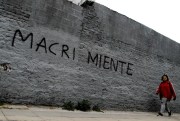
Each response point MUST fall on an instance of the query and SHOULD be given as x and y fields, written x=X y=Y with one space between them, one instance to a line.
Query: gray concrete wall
x=59 y=51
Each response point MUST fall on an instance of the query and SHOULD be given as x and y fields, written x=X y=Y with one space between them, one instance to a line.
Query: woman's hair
x=166 y=77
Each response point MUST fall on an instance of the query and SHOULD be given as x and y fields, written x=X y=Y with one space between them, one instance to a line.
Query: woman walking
x=166 y=93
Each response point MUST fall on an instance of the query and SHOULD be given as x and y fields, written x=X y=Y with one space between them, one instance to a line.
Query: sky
x=162 y=16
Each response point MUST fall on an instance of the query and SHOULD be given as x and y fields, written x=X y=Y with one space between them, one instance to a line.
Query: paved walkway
x=31 y=113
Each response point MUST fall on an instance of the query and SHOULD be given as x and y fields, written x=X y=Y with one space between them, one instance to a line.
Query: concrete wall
x=59 y=51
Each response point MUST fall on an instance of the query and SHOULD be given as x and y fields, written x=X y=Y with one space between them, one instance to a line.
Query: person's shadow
x=153 y=104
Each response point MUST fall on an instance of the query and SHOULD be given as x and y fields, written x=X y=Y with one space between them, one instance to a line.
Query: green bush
x=84 y=105
x=1 y=103
x=68 y=106
x=96 y=108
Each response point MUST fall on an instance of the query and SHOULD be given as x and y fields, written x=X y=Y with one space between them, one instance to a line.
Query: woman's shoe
x=160 y=114
x=169 y=113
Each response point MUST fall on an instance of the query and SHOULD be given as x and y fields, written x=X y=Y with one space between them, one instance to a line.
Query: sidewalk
x=32 y=113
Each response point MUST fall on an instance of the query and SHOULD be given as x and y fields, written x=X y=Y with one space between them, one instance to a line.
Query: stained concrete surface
x=31 y=113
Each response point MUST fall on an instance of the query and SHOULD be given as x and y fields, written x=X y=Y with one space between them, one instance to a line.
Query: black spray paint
x=109 y=63
x=42 y=45
x=101 y=61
